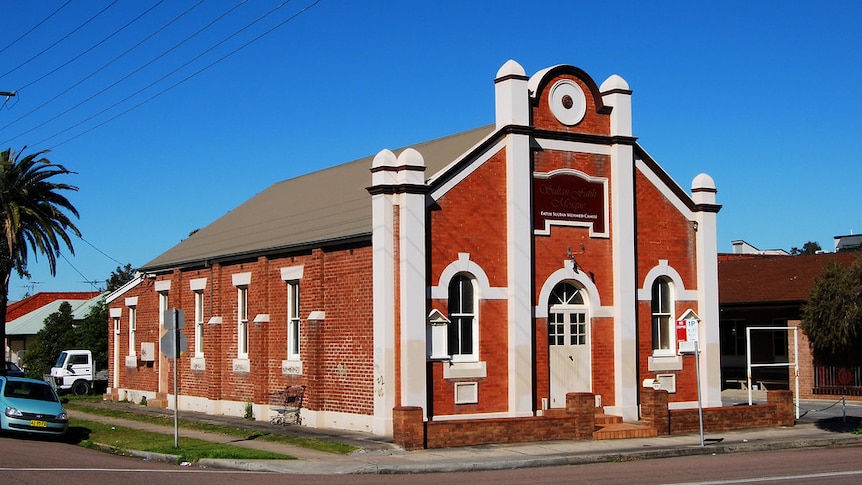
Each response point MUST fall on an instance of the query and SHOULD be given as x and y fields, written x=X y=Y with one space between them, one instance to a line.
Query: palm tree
x=31 y=217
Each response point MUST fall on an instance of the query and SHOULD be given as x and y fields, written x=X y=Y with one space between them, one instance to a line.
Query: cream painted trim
x=659 y=363
x=546 y=231
x=292 y=273
x=663 y=269
x=465 y=370
x=465 y=265
x=241 y=279
x=198 y=284
x=567 y=273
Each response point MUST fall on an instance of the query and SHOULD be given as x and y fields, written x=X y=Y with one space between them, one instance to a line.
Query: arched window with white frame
x=463 y=319
x=662 y=304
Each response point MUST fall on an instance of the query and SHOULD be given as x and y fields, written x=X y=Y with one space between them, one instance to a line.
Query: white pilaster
x=383 y=307
x=704 y=195
x=616 y=93
x=411 y=278
x=513 y=109
x=512 y=95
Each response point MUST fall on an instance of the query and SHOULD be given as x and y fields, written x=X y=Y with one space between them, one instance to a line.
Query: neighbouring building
x=482 y=275
x=26 y=317
x=765 y=292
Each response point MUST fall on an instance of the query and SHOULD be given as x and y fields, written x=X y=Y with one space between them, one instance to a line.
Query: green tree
x=91 y=333
x=33 y=216
x=119 y=277
x=811 y=247
x=57 y=334
x=832 y=315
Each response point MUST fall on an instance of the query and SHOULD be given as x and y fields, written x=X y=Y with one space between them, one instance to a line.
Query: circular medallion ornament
x=568 y=103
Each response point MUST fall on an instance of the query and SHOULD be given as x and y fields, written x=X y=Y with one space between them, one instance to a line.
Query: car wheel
x=81 y=388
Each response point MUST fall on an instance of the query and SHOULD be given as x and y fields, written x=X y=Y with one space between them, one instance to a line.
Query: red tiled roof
x=765 y=279
x=31 y=303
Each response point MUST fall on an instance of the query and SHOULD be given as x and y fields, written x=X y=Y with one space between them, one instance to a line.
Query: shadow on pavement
x=840 y=424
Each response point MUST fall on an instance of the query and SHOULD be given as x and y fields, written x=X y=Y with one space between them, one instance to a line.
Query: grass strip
x=92 y=434
x=301 y=441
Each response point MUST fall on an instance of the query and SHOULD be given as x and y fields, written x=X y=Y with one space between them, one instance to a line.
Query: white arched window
x=663 y=340
x=463 y=320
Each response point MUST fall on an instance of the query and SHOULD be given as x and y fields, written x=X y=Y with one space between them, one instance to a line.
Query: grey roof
x=31 y=323
x=322 y=207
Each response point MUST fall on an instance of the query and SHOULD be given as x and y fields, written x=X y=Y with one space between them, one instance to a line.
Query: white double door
x=569 y=352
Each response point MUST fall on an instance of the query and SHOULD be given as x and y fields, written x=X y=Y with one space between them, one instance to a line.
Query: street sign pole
x=176 y=342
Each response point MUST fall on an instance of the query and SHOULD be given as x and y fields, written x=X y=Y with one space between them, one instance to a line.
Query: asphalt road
x=32 y=461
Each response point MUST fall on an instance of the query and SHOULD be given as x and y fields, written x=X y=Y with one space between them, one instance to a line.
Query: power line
x=35 y=26
x=103 y=67
x=97 y=44
x=115 y=83
x=255 y=39
x=58 y=41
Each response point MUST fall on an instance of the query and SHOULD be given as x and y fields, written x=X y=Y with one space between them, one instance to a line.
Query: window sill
x=291 y=367
x=665 y=363
x=241 y=365
x=198 y=363
x=464 y=370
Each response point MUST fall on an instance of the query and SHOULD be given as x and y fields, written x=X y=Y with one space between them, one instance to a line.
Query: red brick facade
x=608 y=224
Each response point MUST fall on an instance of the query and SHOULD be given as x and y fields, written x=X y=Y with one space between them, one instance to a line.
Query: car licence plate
x=38 y=424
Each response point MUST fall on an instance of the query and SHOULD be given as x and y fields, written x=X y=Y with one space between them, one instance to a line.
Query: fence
x=838 y=380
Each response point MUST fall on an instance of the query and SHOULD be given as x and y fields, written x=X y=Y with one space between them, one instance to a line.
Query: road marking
x=774 y=479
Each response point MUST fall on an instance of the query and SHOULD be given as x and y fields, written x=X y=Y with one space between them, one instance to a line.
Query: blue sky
x=763 y=96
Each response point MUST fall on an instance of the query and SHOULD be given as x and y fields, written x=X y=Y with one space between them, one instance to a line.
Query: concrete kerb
x=382 y=458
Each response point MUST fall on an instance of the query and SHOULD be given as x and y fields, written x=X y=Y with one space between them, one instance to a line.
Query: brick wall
x=336 y=353
x=577 y=423
x=778 y=411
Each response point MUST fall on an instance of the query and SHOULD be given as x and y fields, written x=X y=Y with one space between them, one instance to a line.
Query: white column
x=704 y=195
x=383 y=267
x=616 y=93
x=411 y=278
x=513 y=109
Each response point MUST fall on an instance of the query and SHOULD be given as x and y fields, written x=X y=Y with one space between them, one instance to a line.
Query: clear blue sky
x=763 y=96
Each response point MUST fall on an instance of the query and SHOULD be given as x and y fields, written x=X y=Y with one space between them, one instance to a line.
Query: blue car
x=13 y=370
x=31 y=406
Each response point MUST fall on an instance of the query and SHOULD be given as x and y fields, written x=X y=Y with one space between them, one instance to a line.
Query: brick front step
x=622 y=430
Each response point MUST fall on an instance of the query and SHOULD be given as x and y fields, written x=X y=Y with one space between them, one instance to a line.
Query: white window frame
x=133 y=324
x=666 y=314
x=293 y=321
x=454 y=316
x=242 y=321
x=199 y=323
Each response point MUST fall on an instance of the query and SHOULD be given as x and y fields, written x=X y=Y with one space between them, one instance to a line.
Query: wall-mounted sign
x=569 y=198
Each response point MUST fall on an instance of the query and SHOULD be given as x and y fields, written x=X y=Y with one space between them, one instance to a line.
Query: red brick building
x=482 y=275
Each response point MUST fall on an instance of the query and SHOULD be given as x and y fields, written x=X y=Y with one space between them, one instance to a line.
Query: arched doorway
x=568 y=343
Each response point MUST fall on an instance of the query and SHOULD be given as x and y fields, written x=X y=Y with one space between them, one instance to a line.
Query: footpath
x=376 y=455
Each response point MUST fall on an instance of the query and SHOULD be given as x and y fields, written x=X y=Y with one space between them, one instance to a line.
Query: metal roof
x=31 y=323
x=322 y=207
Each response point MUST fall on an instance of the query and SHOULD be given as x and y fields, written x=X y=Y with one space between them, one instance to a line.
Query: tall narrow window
x=242 y=318
x=163 y=307
x=133 y=323
x=463 y=326
x=199 y=323
x=293 y=320
x=662 y=320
